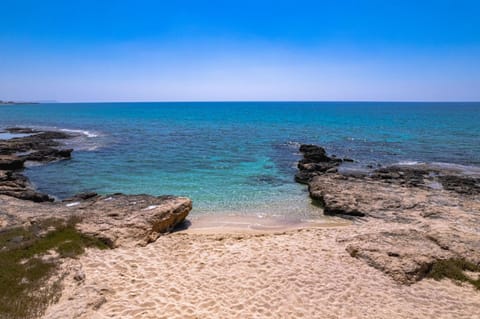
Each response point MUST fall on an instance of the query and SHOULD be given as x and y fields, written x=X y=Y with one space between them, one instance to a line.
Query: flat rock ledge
x=36 y=146
x=117 y=219
x=410 y=217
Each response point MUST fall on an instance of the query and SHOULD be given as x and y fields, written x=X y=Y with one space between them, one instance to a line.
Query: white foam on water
x=408 y=163
x=84 y=132
x=473 y=171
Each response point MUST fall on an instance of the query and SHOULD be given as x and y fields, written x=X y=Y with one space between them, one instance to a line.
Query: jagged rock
x=315 y=161
x=16 y=185
x=314 y=153
x=38 y=147
x=11 y=162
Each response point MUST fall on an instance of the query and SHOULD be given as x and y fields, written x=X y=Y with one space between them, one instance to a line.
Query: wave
x=469 y=170
x=409 y=163
x=84 y=132
x=83 y=140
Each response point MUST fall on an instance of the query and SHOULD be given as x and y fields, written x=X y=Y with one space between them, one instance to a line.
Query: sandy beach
x=212 y=273
x=240 y=159
x=373 y=250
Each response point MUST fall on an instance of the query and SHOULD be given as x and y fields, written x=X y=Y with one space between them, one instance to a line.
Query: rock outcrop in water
x=315 y=161
x=118 y=220
x=38 y=146
x=420 y=214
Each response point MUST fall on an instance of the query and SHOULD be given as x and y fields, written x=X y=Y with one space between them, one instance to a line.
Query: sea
x=239 y=158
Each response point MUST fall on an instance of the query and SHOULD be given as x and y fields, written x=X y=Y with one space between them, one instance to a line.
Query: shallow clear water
x=238 y=157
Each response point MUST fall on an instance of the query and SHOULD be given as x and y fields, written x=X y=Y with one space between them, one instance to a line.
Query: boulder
x=126 y=220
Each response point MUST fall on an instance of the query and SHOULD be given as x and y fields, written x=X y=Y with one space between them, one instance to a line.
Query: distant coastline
x=16 y=102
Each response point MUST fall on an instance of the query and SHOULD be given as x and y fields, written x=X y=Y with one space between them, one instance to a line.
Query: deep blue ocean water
x=238 y=157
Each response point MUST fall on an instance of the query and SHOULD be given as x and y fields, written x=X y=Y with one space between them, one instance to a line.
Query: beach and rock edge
x=407 y=222
x=430 y=215
x=116 y=219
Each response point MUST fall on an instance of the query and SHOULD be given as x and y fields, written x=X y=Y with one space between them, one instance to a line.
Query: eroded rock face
x=126 y=220
x=426 y=213
x=118 y=220
x=13 y=183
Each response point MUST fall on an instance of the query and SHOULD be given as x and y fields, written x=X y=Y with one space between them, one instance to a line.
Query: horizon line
x=257 y=101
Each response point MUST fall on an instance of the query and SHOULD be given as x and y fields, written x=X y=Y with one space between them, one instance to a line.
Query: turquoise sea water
x=238 y=157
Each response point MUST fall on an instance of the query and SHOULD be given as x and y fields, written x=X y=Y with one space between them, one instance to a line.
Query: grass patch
x=26 y=283
x=455 y=270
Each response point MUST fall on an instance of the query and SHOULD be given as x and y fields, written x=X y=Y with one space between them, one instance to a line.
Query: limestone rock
x=117 y=220
x=427 y=213
x=121 y=220
x=408 y=254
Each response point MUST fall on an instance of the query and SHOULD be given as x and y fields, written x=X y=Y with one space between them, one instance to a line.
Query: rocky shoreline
x=423 y=214
x=40 y=237
x=407 y=222
x=116 y=219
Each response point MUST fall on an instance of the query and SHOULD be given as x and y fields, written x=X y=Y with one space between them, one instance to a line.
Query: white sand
x=207 y=273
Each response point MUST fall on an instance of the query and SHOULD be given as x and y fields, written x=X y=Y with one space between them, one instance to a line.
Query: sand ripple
x=297 y=274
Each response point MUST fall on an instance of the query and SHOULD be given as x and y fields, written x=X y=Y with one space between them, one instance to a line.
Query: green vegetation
x=455 y=270
x=28 y=261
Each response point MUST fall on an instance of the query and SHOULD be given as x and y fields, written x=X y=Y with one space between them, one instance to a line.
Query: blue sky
x=239 y=50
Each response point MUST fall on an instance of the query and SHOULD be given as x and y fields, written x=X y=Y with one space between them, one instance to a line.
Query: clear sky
x=94 y=50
